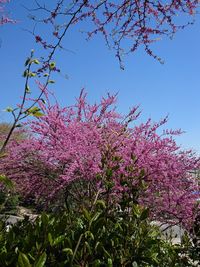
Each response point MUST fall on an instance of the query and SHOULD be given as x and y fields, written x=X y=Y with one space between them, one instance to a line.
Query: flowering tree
x=125 y=25
x=95 y=145
x=92 y=144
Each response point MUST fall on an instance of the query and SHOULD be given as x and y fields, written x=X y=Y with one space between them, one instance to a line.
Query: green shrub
x=97 y=237
x=9 y=199
x=95 y=233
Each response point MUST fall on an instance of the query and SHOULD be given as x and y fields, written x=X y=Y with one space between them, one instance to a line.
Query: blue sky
x=172 y=88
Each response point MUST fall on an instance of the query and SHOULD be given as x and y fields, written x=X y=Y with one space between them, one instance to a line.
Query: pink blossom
x=79 y=143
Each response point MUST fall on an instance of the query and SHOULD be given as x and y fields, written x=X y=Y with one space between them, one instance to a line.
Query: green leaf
x=36 y=61
x=28 y=91
x=133 y=157
x=9 y=109
x=41 y=261
x=38 y=114
x=25 y=74
x=101 y=204
x=109 y=172
x=52 y=65
x=38 y=245
x=68 y=251
x=35 y=111
x=136 y=211
x=118 y=226
x=110 y=263
x=106 y=252
x=97 y=263
x=31 y=257
x=18 y=125
x=96 y=216
x=88 y=247
x=97 y=246
x=6 y=181
x=59 y=239
x=23 y=260
x=45 y=219
x=43 y=101
x=86 y=214
x=89 y=234
x=51 y=81
x=50 y=239
x=31 y=74
x=27 y=62
x=144 y=214
x=142 y=173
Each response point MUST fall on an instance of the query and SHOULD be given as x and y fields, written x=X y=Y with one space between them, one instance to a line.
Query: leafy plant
x=8 y=196
x=94 y=238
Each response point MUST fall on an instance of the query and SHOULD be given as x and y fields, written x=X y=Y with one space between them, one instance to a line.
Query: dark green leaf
x=41 y=261
x=23 y=260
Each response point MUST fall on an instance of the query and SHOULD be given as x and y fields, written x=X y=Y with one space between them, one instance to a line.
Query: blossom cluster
x=83 y=141
x=125 y=25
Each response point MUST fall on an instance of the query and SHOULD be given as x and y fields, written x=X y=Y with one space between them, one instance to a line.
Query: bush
x=98 y=237
x=9 y=199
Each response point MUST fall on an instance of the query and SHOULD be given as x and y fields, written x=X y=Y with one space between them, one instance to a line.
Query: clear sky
x=172 y=88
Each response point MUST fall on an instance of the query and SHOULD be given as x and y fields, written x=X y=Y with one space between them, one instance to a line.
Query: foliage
x=96 y=234
x=195 y=235
x=97 y=237
x=8 y=196
x=8 y=202
x=9 y=199
x=28 y=106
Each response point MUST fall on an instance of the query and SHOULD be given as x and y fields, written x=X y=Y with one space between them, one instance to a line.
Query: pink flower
x=81 y=142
